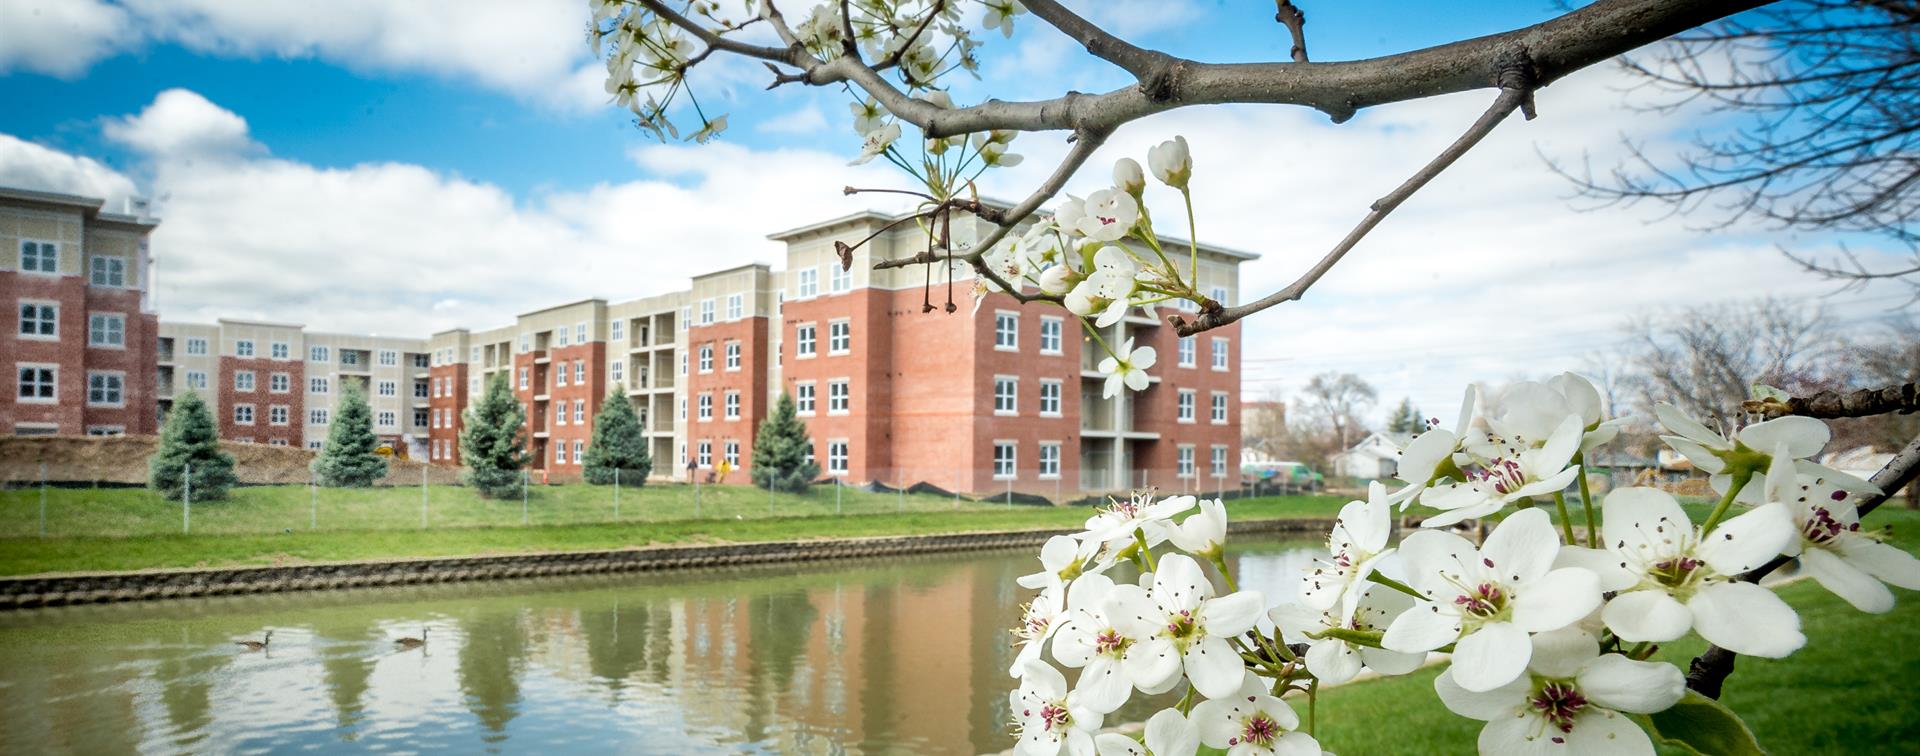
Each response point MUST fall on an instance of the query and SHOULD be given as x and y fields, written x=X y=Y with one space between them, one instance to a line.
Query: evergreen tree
x=349 y=459
x=617 y=444
x=1406 y=419
x=780 y=451
x=493 y=443
x=190 y=439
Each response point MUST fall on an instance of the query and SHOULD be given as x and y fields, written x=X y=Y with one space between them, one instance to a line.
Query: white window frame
x=839 y=457
x=579 y=451
x=706 y=359
x=736 y=307
x=118 y=381
x=237 y=413
x=319 y=385
x=839 y=336
x=803 y=398
x=617 y=371
x=116 y=268
x=106 y=330
x=1217 y=408
x=1058 y=399
x=807 y=284
x=523 y=378
x=197 y=379
x=386 y=389
x=317 y=416
x=1184 y=467
x=280 y=383
x=1006 y=395
x=1184 y=405
x=579 y=411
x=195 y=341
x=243 y=347
x=1052 y=334
x=733 y=356
x=41 y=308
x=1006 y=454
x=1217 y=460
x=840 y=391
x=839 y=279
x=1188 y=350
x=280 y=350
x=1047 y=460
x=1006 y=331
x=559 y=339
x=245 y=380
x=1222 y=354
x=560 y=452
x=806 y=339
x=315 y=354
x=579 y=372
x=730 y=451
x=45 y=253
x=705 y=457
x=706 y=311
x=580 y=333
x=387 y=419
x=706 y=407
x=279 y=414
x=732 y=403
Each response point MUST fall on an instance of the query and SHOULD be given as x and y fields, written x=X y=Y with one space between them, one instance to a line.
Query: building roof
x=92 y=206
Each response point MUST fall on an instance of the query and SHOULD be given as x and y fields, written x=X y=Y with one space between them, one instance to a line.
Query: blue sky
x=394 y=167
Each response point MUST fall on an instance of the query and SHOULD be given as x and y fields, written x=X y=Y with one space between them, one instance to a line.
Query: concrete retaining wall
x=107 y=587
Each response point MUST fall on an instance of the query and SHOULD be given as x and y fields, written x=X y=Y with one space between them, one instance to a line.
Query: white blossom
x=1106 y=215
x=1093 y=642
x=1251 y=722
x=1570 y=701
x=1185 y=627
x=1039 y=620
x=1129 y=371
x=1519 y=473
x=1049 y=717
x=877 y=142
x=1854 y=564
x=1203 y=532
x=1171 y=163
x=1335 y=661
x=1355 y=547
x=1128 y=177
x=1169 y=733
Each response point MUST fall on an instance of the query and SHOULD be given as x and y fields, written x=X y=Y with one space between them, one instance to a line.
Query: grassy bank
x=400 y=535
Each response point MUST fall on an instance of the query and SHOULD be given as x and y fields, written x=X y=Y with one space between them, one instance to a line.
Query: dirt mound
x=123 y=460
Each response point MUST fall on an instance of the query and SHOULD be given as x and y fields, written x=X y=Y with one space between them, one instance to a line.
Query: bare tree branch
x=1902 y=398
x=1289 y=15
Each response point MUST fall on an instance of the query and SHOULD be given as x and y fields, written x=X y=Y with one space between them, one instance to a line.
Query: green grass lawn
x=128 y=529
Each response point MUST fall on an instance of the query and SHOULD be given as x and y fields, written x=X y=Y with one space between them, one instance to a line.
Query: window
x=279 y=350
x=1219 y=461
x=104 y=389
x=803 y=340
x=839 y=396
x=1187 y=351
x=1186 y=461
x=617 y=330
x=104 y=330
x=734 y=307
x=1050 y=330
x=560 y=375
x=733 y=355
x=837 y=457
x=579 y=411
x=39 y=320
x=387 y=388
x=420 y=360
x=39 y=383
x=683 y=408
x=317 y=386
x=388 y=419
x=523 y=378
x=277 y=414
x=1219 y=414
x=106 y=430
x=809 y=282
x=706 y=311
x=196 y=346
x=314 y=354
x=560 y=338
x=683 y=363
x=243 y=414
x=243 y=380
x=733 y=405
x=1049 y=398
x=579 y=450
x=706 y=407
x=1219 y=294
x=579 y=333
x=243 y=348
x=198 y=380
x=560 y=414
x=1049 y=460
x=803 y=397
x=419 y=417
x=279 y=383
x=473 y=354
x=1003 y=460
x=526 y=343
x=839 y=337
x=107 y=271
x=560 y=452
x=389 y=358
x=473 y=385
x=1006 y=395
x=839 y=279
x=686 y=317
x=732 y=453
x=706 y=358
x=1006 y=331
x=39 y=257
x=617 y=372
x=1186 y=399
x=1219 y=354
x=420 y=389
x=706 y=454
x=579 y=372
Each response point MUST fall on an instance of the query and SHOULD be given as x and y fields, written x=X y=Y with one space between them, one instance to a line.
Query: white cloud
x=806 y=120
x=59 y=37
x=26 y=165
x=180 y=124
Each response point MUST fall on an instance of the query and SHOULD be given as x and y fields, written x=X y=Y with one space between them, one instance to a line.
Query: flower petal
x=1216 y=671
x=1420 y=629
x=1702 y=457
x=1232 y=614
x=1638 y=517
x=1492 y=656
x=1332 y=661
x=1103 y=685
x=1169 y=733
x=1649 y=615
x=1153 y=664
x=1556 y=600
x=1613 y=573
x=1390 y=662
x=1522 y=548
x=1802 y=436
x=1896 y=567
x=1488 y=705
x=1847 y=581
x=1115 y=744
x=1746 y=619
x=1561 y=653
x=1605 y=733
x=1430 y=556
x=1636 y=687
x=1747 y=541
x=1676 y=421
x=1179 y=584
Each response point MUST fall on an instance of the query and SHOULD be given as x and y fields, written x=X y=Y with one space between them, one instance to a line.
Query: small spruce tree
x=492 y=444
x=1406 y=419
x=189 y=441
x=780 y=451
x=618 y=443
x=349 y=459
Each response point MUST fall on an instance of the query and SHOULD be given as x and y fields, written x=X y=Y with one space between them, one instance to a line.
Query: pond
x=903 y=656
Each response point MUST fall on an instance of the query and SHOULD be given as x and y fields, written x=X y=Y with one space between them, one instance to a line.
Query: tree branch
x=1710 y=669
x=1902 y=398
x=1289 y=15
x=1216 y=316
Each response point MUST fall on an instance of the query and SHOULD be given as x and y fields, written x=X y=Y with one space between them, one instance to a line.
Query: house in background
x=1376 y=457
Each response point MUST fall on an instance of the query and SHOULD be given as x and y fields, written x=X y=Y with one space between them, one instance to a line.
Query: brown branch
x=1903 y=398
x=1709 y=671
x=1289 y=15
x=1510 y=100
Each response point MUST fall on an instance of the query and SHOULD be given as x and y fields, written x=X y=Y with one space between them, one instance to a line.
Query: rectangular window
x=579 y=372
x=388 y=419
x=523 y=378
x=243 y=414
x=683 y=363
x=243 y=348
x=803 y=397
x=278 y=414
x=316 y=417
x=1186 y=461
x=108 y=271
x=839 y=397
x=1003 y=459
x=1219 y=354
x=1219 y=413
x=1187 y=350
x=579 y=333
x=317 y=386
x=106 y=430
x=1049 y=398
x=560 y=336
x=243 y=380
x=105 y=330
x=1186 y=399
x=279 y=383
x=1219 y=461
x=559 y=452
x=314 y=354
x=196 y=346
x=420 y=389
x=560 y=414
x=706 y=407
x=279 y=350
x=839 y=337
x=39 y=383
x=1006 y=395
x=39 y=320
x=1049 y=460
x=419 y=417
x=104 y=389
x=1006 y=331
x=198 y=380
x=420 y=361
x=560 y=375
x=617 y=330
x=389 y=358
x=706 y=358
x=1219 y=294
x=732 y=453
x=735 y=307
x=579 y=411
x=39 y=256
x=803 y=336
x=579 y=451
x=1050 y=331
x=387 y=388
x=733 y=355
x=837 y=457
x=809 y=282
x=706 y=454
x=617 y=372
x=706 y=311
x=683 y=408
x=686 y=317
x=839 y=279
x=733 y=405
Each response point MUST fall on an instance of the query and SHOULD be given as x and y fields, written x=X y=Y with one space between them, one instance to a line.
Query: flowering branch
x=1901 y=398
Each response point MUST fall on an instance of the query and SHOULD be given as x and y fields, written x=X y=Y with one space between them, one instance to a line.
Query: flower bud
x=1128 y=177
x=1171 y=163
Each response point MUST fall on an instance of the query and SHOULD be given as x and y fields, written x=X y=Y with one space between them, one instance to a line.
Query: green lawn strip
x=30 y=555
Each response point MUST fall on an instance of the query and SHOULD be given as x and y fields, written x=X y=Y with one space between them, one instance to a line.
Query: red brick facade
x=446 y=406
x=573 y=399
x=744 y=385
x=262 y=402
x=70 y=353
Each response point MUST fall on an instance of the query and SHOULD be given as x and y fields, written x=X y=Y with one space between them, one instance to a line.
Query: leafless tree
x=1824 y=101
x=1336 y=400
x=1706 y=360
x=1263 y=427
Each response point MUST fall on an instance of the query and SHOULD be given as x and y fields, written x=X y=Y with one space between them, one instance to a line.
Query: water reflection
x=903 y=656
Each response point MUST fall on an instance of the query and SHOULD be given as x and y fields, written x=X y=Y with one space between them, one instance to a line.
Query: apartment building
x=80 y=336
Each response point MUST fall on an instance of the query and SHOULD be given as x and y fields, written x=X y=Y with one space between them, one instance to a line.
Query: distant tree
x=349 y=459
x=618 y=443
x=1336 y=400
x=493 y=443
x=780 y=451
x=1705 y=360
x=189 y=449
x=1406 y=419
x=1263 y=427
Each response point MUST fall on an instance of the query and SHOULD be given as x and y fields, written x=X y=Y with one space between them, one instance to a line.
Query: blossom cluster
x=1547 y=626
